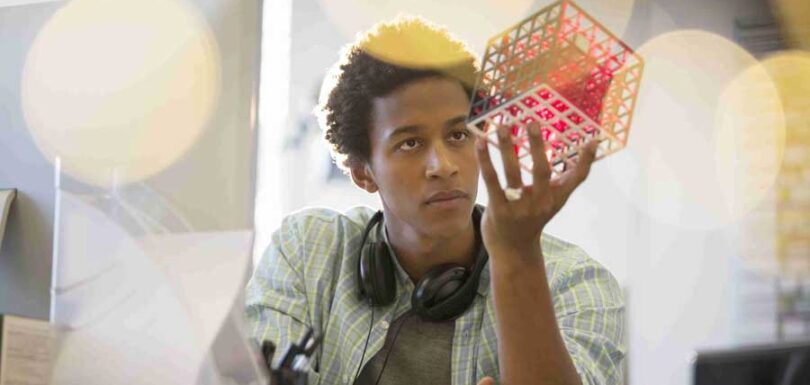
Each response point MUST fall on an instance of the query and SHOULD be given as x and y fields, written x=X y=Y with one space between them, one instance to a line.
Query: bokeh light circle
x=614 y=15
x=118 y=89
x=690 y=129
x=793 y=18
x=791 y=72
x=474 y=21
x=749 y=139
x=423 y=46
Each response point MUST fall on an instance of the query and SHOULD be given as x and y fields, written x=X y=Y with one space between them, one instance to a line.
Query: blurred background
x=194 y=118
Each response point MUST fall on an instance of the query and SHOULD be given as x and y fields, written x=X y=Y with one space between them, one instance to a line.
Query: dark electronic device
x=292 y=368
x=777 y=364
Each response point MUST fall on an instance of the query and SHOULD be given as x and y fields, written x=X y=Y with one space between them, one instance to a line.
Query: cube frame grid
x=562 y=69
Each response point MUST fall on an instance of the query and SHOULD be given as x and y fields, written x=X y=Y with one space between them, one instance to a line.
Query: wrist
x=516 y=255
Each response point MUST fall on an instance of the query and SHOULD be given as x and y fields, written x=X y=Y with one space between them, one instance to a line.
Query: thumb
x=487 y=381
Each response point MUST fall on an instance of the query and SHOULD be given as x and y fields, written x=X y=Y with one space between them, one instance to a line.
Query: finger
x=511 y=166
x=574 y=176
x=487 y=381
x=586 y=159
x=488 y=171
x=541 y=169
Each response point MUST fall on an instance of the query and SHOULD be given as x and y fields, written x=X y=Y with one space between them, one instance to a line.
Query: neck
x=418 y=253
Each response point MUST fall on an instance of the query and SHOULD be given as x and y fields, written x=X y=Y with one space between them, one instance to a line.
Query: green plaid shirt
x=307 y=277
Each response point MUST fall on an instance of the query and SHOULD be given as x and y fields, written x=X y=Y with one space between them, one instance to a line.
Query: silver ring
x=513 y=194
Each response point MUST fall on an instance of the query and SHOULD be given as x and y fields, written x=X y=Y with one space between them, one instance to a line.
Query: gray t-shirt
x=421 y=354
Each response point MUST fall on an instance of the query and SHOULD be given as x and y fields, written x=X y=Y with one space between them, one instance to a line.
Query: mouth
x=447 y=198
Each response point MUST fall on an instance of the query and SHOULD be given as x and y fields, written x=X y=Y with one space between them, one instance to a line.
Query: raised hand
x=514 y=220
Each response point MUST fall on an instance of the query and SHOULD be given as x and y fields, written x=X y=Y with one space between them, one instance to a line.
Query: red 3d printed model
x=565 y=71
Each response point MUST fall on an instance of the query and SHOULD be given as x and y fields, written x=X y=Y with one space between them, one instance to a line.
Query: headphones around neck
x=444 y=293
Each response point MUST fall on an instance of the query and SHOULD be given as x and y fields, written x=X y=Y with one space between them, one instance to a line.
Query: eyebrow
x=402 y=130
x=416 y=128
x=456 y=120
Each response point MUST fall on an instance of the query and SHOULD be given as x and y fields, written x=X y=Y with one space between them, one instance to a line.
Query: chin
x=449 y=224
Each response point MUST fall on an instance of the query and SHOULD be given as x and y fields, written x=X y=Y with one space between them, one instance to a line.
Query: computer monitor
x=775 y=364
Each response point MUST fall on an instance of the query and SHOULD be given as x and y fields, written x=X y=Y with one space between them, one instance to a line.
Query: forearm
x=530 y=347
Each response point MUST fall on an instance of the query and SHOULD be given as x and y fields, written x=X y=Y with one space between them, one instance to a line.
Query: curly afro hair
x=386 y=57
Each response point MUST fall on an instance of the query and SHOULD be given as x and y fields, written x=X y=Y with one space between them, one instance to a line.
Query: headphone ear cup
x=382 y=272
x=375 y=269
x=436 y=296
x=364 y=275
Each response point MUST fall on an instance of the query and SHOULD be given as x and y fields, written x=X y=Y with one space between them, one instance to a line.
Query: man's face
x=423 y=158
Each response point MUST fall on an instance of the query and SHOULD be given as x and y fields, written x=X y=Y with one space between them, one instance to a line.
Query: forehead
x=425 y=102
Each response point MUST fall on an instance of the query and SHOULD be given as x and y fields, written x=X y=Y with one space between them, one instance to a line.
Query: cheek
x=399 y=175
x=473 y=172
x=471 y=161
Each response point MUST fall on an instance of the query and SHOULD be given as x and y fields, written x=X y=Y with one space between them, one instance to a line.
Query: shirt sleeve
x=590 y=313
x=275 y=299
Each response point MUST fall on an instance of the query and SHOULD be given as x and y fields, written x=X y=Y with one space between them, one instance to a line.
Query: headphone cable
x=393 y=343
x=363 y=356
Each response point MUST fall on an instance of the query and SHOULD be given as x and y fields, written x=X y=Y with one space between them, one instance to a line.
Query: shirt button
x=346 y=378
x=384 y=325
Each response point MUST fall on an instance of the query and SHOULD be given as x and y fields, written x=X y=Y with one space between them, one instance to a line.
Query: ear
x=363 y=177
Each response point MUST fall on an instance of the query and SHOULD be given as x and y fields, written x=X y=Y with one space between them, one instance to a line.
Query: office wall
x=213 y=183
x=25 y=258
x=211 y=186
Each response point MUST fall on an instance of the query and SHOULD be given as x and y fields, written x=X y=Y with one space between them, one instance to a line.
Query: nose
x=440 y=163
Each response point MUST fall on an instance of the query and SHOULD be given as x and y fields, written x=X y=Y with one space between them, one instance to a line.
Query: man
x=540 y=312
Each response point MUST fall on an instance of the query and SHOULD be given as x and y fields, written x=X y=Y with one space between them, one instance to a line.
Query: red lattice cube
x=561 y=69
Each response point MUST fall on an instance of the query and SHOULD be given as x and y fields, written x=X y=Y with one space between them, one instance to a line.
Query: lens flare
x=613 y=14
x=475 y=21
x=793 y=19
x=749 y=139
x=696 y=132
x=418 y=47
x=791 y=72
x=119 y=90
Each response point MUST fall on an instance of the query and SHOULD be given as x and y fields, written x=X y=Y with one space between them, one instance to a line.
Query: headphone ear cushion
x=436 y=296
x=382 y=275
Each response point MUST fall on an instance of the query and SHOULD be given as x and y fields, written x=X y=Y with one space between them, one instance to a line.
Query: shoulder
x=562 y=254
x=316 y=217
x=318 y=224
x=319 y=233
x=569 y=265
x=312 y=248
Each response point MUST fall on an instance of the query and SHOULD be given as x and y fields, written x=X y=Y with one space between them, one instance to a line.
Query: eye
x=460 y=135
x=409 y=144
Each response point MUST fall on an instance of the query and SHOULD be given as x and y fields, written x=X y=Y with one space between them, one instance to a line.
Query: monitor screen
x=776 y=364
